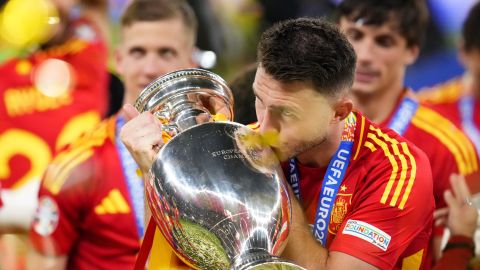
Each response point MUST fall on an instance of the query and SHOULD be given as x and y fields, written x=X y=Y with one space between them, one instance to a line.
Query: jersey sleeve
x=392 y=213
x=63 y=202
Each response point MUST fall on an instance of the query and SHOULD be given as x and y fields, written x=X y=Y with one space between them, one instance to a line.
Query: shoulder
x=444 y=137
x=393 y=166
x=379 y=143
x=446 y=92
x=79 y=161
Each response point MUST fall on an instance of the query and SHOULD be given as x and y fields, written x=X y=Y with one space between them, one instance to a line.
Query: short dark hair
x=411 y=16
x=308 y=50
x=471 y=28
x=158 y=10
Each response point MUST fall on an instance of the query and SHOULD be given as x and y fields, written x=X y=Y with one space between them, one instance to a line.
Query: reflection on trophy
x=220 y=202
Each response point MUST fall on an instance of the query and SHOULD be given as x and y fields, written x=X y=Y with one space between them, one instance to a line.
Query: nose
x=364 y=51
x=153 y=67
x=266 y=122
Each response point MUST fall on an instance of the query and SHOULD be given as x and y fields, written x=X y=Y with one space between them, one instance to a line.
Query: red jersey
x=33 y=125
x=447 y=99
x=383 y=211
x=85 y=210
x=448 y=149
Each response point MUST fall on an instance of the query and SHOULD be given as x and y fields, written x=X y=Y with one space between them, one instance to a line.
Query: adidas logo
x=113 y=203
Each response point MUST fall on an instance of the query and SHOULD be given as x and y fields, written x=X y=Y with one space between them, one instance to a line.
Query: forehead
x=388 y=27
x=275 y=92
x=142 y=33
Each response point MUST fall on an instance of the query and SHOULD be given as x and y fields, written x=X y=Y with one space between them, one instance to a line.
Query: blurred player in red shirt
x=48 y=98
x=385 y=45
x=360 y=185
x=91 y=209
x=459 y=99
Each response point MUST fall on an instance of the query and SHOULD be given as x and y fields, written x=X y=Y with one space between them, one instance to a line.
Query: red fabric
x=146 y=246
x=446 y=102
x=456 y=258
x=441 y=158
x=359 y=198
x=95 y=229
x=30 y=122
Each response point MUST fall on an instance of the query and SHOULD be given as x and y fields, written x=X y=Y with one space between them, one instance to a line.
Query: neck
x=475 y=87
x=378 y=106
x=320 y=155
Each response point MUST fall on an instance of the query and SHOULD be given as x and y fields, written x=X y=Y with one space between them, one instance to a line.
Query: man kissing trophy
x=216 y=190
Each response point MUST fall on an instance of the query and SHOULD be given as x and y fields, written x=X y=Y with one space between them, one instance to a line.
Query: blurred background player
x=459 y=98
x=91 y=211
x=385 y=45
x=51 y=92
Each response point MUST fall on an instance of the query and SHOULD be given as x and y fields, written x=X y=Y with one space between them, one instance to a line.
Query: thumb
x=129 y=111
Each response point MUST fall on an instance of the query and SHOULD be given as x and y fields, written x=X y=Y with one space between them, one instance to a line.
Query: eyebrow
x=276 y=107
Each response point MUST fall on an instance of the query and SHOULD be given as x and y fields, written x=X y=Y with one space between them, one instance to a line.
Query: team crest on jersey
x=368 y=233
x=46 y=216
x=340 y=209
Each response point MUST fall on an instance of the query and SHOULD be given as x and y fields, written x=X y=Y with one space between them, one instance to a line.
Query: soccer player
x=459 y=99
x=90 y=213
x=386 y=37
x=360 y=185
x=48 y=98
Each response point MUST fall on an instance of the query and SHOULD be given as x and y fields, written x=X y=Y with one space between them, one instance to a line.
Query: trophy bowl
x=219 y=200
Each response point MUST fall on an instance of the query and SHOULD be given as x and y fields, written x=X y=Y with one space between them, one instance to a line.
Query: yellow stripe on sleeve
x=359 y=145
x=413 y=174
x=370 y=146
x=403 y=161
x=392 y=160
x=452 y=137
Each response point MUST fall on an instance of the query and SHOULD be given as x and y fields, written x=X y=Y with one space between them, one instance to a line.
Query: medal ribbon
x=403 y=116
x=331 y=181
x=466 y=107
x=134 y=182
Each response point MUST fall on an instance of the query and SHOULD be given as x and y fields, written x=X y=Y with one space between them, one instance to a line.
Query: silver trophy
x=219 y=199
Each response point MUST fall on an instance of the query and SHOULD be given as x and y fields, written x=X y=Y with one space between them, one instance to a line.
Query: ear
x=462 y=53
x=342 y=108
x=412 y=54
x=118 y=56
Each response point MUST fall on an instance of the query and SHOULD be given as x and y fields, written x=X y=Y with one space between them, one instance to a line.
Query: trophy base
x=278 y=265
x=261 y=260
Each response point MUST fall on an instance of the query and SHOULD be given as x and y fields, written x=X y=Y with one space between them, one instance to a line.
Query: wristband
x=461 y=242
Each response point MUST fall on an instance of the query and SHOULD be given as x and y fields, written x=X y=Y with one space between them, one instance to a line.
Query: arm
x=461 y=219
x=301 y=240
x=41 y=261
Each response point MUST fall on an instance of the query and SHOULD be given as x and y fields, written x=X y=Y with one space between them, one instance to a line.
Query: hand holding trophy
x=220 y=201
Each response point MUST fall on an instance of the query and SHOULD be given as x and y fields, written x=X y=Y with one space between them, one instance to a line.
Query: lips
x=365 y=76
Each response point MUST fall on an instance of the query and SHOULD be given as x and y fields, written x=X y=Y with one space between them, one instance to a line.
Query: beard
x=297 y=148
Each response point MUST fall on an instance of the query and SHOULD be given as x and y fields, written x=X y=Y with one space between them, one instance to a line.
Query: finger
x=451 y=200
x=129 y=111
x=440 y=222
x=463 y=188
x=457 y=193
x=439 y=213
